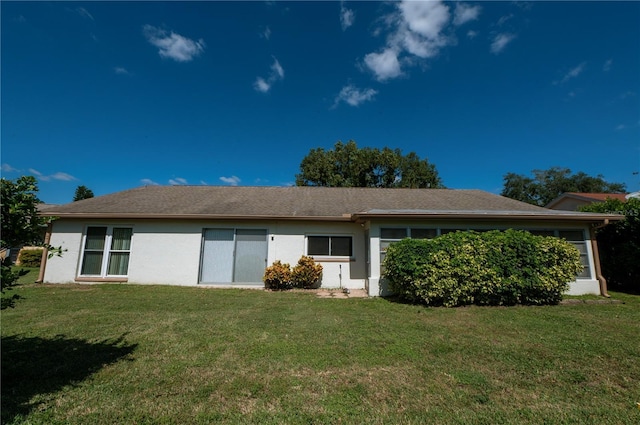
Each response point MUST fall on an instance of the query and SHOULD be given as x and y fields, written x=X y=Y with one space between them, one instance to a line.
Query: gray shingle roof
x=296 y=203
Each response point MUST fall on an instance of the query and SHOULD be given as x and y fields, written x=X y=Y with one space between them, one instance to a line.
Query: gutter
x=45 y=253
x=129 y=216
x=513 y=215
x=596 y=260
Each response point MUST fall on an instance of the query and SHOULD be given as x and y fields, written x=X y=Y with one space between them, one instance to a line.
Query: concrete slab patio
x=341 y=293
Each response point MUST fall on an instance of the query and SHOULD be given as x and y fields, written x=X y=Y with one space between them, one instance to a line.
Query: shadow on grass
x=32 y=366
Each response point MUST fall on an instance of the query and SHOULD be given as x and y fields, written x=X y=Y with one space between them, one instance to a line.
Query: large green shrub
x=619 y=244
x=489 y=268
x=30 y=257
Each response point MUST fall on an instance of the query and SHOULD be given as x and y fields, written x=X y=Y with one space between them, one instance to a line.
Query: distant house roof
x=586 y=198
x=306 y=203
x=43 y=207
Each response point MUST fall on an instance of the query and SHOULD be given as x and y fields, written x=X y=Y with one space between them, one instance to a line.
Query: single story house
x=572 y=201
x=226 y=236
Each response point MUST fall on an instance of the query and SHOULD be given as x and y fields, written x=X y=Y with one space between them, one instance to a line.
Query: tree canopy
x=546 y=185
x=20 y=221
x=346 y=165
x=82 y=192
x=619 y=243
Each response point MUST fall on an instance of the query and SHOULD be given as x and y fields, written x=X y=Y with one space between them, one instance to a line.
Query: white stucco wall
x=168 y=252
x=288 y=243
x=67 y=235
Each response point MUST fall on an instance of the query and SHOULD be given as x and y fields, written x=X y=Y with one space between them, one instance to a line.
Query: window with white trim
x=106 y=251
x=330 y=246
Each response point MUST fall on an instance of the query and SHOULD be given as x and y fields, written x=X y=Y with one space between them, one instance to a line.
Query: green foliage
x=277 y=276
x=10 y=277
x=184 y=355
x=82 y=192
x=30 y=257
x=20 y=222
x=349 y=166
x=546 y=185
x=306 y=274
x=619 y=243
x=490 y=268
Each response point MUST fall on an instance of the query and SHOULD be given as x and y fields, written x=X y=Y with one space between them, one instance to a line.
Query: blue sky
x=115 y=95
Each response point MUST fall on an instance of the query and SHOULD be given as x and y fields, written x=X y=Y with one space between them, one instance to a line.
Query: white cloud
x=277 y=74
x=232 y=181
x=347 y=17
x=173 y=46
x=426 y=18
x=121 y=71
x=620 y=127
x=500 y=41
x=178 y=181
x=354 y=96
x=573 y=73
x=384 y=65
x=607 y=65
x=418 y=30
x=84 y=13
x=266 y=33
x=55 y=176
x=277 y=70
x=149 y=182
x=465 y=13
x=6 y=168
x=472 y=34
x=503 y=19
x=261 y=85
x=62 y=176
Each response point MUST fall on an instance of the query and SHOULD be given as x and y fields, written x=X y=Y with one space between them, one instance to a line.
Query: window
x=330 y=246
x=576 y=238
x=424 y=233
x=106 y=251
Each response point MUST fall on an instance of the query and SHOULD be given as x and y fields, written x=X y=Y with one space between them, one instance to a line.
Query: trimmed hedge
x=30 y=257
x=488 y=268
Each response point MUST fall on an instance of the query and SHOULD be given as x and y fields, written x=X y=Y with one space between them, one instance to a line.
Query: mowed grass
x=107 y=354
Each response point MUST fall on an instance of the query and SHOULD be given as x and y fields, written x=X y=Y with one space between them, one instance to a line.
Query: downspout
x=45 y=253
x=596 y=260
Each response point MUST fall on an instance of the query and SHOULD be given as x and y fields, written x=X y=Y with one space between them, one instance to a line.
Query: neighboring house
x=226 y=236
x=572 y=201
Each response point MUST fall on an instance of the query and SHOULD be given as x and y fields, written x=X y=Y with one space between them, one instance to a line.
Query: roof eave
x=583 y=217
x=138 y=216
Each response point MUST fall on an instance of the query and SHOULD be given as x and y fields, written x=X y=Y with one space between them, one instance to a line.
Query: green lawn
x=108 y=354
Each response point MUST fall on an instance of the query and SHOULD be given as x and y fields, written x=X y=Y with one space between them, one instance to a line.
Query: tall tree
x=20 y=221
x=82 y=192
x=546 y=185
x=346 y=165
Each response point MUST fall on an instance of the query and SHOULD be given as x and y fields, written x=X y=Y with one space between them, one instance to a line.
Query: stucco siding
x=68 y=235
x=165 y=253
x=288 y=244
x=169 y=252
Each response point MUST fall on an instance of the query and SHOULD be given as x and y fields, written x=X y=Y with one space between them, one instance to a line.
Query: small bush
x=306 y=274
x=277 y=276
x=30 y=257
x=490 y=268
